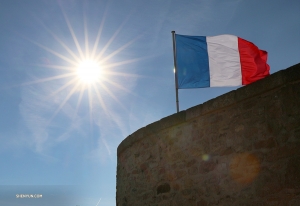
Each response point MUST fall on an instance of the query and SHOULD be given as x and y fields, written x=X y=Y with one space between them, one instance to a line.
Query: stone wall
x=241 y=148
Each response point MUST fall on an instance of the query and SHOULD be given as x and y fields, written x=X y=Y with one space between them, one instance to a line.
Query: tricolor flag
x=218 y=61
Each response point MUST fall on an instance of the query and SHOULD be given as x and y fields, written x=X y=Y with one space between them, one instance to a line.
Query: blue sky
x=60 y=140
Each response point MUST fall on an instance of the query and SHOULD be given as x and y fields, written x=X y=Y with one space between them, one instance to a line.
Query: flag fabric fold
x=218 y=61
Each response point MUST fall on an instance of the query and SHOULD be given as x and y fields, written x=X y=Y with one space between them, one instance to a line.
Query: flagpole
x=175 y=71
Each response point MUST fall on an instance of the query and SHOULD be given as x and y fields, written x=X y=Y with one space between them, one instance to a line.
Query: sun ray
x=103 y=104
x=53 y=52
x=111 y=39
x=113 y=96
x=100 y=99
x=108 y=113
x=55 y=67
x=72 y=33
x=130 y=75
x=123 y=74
x=62 y=87
x=119 y=50
x=86 y=37
x=90 y=97
x=90 y=101
x=49 y=79
x=99 y=32
x=63 y=102
x=119 y=86
x=122 y=63
x=59 y=41
x=116 y=120
x=79 y=100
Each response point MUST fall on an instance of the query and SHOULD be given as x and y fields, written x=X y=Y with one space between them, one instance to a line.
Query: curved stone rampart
x=241 y=148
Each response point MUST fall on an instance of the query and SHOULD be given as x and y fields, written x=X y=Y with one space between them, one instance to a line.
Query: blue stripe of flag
x=192 y=62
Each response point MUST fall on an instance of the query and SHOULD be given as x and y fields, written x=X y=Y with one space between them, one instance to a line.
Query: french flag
x=218 y=61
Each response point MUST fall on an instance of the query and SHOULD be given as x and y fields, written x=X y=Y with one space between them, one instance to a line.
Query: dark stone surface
x=241 y=148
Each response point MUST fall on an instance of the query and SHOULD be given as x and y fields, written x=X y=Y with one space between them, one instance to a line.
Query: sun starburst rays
x=84 y=58
x=86 y=37
x=61 y=76
x=72 y=33
x=78 y=102
x=67 y=84
x=98 y=57
x=98 y=35
x=58 y=39
x=64 y=102
x=55 y=53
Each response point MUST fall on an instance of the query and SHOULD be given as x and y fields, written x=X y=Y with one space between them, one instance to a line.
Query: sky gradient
x=59 y=138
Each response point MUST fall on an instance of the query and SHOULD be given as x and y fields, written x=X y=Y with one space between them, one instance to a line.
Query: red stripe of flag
x=253 y=62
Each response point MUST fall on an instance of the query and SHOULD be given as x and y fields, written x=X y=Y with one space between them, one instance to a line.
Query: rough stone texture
x=242 y=148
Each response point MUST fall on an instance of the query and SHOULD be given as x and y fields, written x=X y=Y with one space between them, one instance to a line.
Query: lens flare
x=244 y=168
x=205 y=157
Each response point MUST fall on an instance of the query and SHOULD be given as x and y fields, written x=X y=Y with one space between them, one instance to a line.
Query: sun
x=88 y=71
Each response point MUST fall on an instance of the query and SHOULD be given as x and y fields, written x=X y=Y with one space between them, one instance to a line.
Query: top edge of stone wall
x=276 y=80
